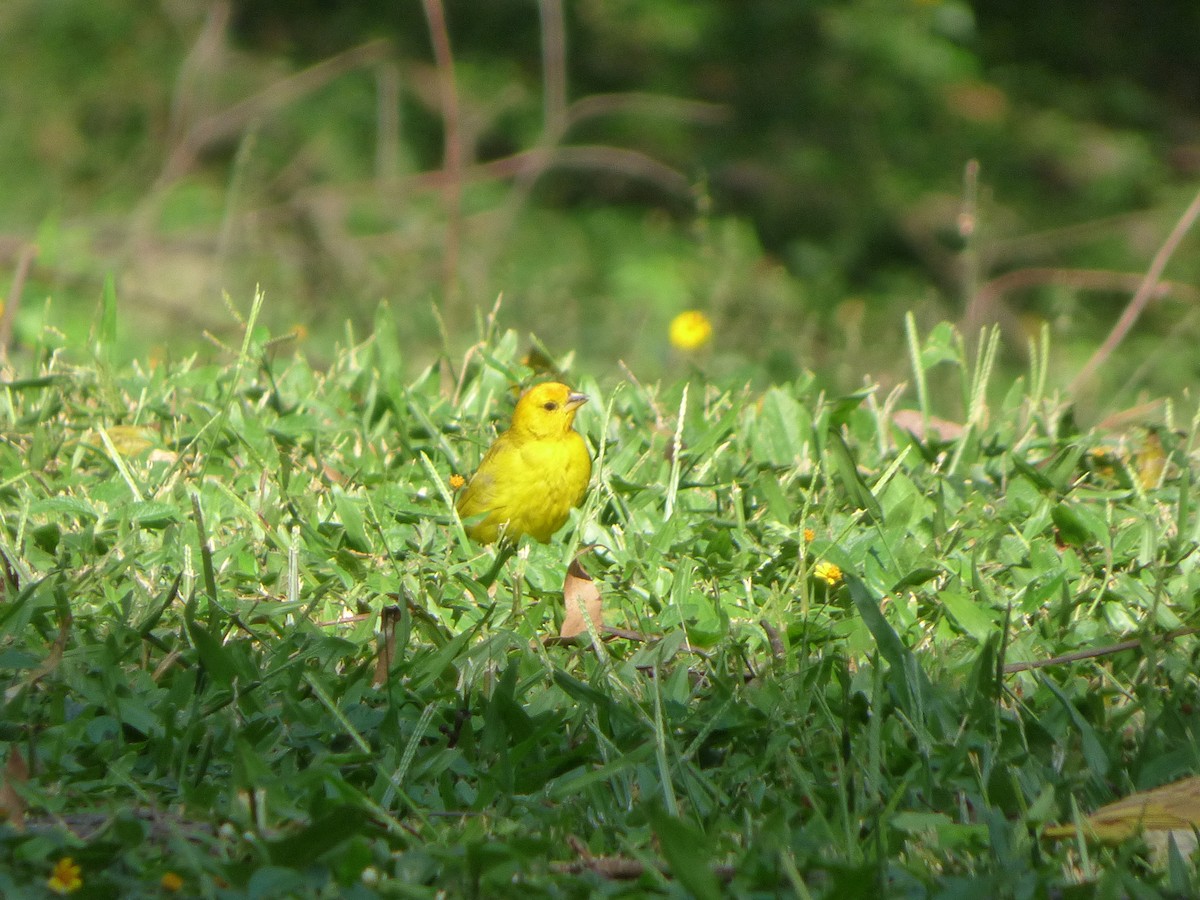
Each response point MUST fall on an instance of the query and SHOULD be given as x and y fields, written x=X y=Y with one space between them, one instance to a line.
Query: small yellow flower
x=690 y=330
x=456 y=481
x=65 y=879
x=828 y=572
x=171 y=882
x=809 y=534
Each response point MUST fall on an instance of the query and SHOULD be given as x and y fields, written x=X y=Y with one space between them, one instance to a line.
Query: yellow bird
x=534 y=472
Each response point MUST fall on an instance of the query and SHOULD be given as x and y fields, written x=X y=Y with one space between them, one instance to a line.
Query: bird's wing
x=480 y=493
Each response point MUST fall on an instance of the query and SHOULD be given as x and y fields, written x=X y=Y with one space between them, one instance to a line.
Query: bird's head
x=546 y=410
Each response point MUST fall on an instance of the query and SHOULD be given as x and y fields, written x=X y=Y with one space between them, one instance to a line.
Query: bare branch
x=1145 y=293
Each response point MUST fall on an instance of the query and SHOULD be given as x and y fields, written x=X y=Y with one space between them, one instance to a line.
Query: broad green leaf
x=1093 y=750
x=967 y=613
x=303 y=848
x=941 y=346
x=1073 y=525
x=780 y=429
x=688 y=856
x=213 y=655
x=151 y=513
x=351 y=517
x=856 y=489
x=570 y=784
x=910 y=679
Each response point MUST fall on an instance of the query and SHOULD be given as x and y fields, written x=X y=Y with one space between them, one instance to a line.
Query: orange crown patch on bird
x=533 y=474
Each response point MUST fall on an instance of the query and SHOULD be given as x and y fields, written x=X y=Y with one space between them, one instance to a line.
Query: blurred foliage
x=794 y=170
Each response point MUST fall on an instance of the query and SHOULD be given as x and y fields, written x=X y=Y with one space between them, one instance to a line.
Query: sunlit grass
x=810 y=613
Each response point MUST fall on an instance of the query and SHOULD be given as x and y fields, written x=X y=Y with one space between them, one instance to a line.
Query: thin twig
x=554 y=67
x=630 y=163
x=622 y=868
x=162 y=827
x=969 y=262
x=235 y=119
x=1145 y=293
x=612 y=632
x=982 y=308
x=203 y=58
x=1093 y=653
x=452 y=154
x=650 y=105
x=27 y=255
x=777 y=649
x=387 y=130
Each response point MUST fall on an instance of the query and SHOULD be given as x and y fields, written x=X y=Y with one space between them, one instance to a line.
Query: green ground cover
x=807 y=693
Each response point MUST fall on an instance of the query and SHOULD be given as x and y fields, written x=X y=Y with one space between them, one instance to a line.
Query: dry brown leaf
x=912 y=421
x=165 y=664
x=623 y=868
x=1151 y=460
x=388 y=617
x=129 y=440
x=12 y=807
x=581 y=597
x=1171 y=810
x=614 y=868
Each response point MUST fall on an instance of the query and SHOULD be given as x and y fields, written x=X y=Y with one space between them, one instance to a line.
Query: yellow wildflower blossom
x=828 y=572
x=690 y=330
x=456 y=481
x=66 y=877
x=171 y=882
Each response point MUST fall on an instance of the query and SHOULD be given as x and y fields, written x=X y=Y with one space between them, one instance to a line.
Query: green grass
x=189 y=633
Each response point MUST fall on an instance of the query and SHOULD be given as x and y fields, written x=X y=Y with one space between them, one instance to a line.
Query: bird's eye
x=550 y=406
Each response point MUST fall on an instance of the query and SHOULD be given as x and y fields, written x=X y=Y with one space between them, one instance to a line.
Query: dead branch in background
x=1145 y=293
x=195 y=128
x=1095 y=652
x=25 y=257
x=554 y=67
x=987 y=304
x=232 y=121
x=387 y=139
x=452 y=145
x=595 y=158
x=640 y=103
x=202 y=59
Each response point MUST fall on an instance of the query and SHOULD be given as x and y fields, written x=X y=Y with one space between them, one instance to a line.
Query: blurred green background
x=804 y=173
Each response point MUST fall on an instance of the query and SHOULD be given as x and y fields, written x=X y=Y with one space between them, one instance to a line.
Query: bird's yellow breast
x=526 y=486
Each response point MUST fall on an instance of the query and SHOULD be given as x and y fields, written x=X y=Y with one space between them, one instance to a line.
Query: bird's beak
x=575 y=400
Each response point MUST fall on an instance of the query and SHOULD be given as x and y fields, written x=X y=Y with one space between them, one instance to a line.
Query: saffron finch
x=533 y=474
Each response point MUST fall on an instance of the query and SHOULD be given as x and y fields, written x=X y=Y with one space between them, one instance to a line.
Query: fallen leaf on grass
x=928 y=427
x=1172 y=810
x=624 y=868
x=613 y=868
x=128 y=440
x=1150 y=462
x=616 y=868
x=12 y=807
x=388 y=617
x=582 y=597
